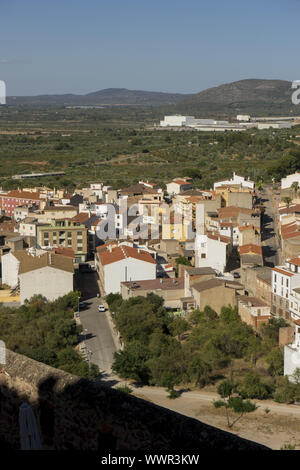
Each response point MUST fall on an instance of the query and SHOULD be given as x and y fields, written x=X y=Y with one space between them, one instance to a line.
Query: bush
x=252 y=387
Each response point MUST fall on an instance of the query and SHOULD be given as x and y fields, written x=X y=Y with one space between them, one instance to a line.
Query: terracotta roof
x=289 y=210
x=283 y=271
x=293 y=234
x=81 y=218
x=61 y=250
x=295 y=261
x=22 y=195
x=122 y=252
x=246 y=227
x=221 y=238
x=250 y=248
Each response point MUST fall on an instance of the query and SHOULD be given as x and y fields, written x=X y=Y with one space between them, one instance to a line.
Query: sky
x=74 y=46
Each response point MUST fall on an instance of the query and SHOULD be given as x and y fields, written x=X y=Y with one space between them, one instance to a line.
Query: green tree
x=231 y=400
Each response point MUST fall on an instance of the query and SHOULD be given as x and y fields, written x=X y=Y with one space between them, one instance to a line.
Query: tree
x=253 y=387
x=233 y=402
x=295 y=188
x=178 y=326
x=131 y=362
x=275 y=360
x=287 y=200
x=181 y=260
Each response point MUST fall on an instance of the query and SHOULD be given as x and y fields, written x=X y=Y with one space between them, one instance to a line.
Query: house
x=57 y=212
x=284 y=281
x=176 y=226
x=287 y=182
x=212 y=250
x=27 y=227
x=236 y=180
x=193 y=275
x=179 y=185
x=251 y=255
x=121 y=264
x=170 y=290
x=15 y=198
x=50 y=275
x=290 y=239
x=235 y=195
x=253 y=311
x=213 y=292
x=292 y=353
x=66 y=233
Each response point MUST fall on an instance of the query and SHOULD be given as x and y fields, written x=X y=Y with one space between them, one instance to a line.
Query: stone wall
x=76 y=414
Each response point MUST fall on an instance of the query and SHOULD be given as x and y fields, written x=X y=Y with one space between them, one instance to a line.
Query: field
x=119 y=146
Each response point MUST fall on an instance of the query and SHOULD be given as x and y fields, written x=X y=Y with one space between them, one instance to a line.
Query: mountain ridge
x=249 y=95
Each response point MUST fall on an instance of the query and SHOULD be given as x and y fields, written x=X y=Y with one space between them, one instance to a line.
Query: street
x=97 y=330
x=270 y=243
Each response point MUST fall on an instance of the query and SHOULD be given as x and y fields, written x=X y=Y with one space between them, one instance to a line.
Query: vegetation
x=164 y=350
x=47 y=333
x=117 y=145
x=232 y=400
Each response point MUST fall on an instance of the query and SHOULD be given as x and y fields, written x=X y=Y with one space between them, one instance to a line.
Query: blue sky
x=168 y=45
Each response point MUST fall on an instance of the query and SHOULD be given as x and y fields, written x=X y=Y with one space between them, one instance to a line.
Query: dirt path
x=280 y=426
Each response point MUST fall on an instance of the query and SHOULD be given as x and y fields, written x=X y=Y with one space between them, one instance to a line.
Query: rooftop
x=156 y=284
x=119 y=253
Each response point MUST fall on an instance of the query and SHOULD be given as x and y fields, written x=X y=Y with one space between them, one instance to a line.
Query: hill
x=109 y=96
x=251 y=96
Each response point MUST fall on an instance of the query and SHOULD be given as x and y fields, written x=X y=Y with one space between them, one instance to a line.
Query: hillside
x=251 y=96
x=109 y=96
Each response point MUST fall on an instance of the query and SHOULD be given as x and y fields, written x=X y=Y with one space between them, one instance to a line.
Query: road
x=97 y=334
x=270 y=242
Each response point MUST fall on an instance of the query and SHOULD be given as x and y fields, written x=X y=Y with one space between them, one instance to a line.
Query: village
x=236 y=244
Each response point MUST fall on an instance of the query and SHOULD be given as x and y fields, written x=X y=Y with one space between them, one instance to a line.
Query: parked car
x=101 y=308
x=236 y=275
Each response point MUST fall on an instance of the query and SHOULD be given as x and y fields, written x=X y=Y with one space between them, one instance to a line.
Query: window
x=203 y=255
x=46 y=234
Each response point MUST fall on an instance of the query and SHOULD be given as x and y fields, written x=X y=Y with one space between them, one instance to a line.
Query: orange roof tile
x=122 y=252
x=250 y=248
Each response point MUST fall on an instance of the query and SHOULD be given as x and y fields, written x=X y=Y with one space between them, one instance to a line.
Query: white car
x=101 y=308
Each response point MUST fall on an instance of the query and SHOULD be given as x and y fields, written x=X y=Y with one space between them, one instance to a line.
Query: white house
x=179 y=185
x=236 y=180
x=124 y=263
x=292 y=354
x=212 y=251
x=285 y=279
x=10 y=267
x=50 y=275
x=289 y=180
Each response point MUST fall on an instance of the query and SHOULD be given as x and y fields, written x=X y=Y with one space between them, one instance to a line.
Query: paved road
x=98 y=337
x=270 y=242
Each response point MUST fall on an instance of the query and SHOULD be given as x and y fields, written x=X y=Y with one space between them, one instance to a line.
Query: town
x=236 y=244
